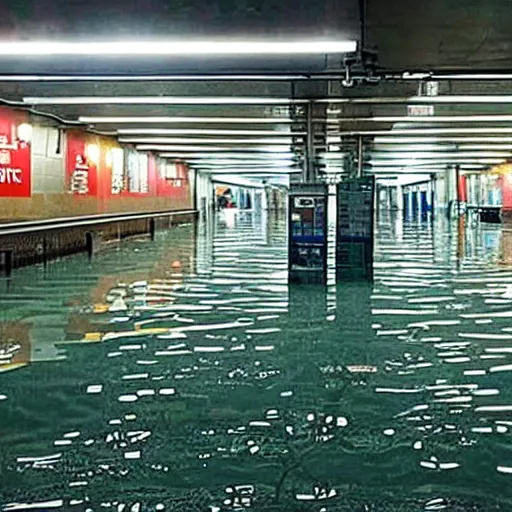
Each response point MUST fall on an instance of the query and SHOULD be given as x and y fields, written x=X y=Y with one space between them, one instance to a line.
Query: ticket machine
x=308 y=233
x=355 y=228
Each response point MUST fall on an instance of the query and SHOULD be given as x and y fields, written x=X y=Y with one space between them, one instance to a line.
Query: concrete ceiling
x=424 y=34
x=255 y=108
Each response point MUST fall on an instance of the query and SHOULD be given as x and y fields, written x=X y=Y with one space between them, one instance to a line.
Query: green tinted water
x=184 y=374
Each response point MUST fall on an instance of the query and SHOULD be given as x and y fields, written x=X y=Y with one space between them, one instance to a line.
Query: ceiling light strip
x=174 y=48
x=425 y=131
x=198 y=140
x=213 y=149
x=439 y=140
x=444 y=99
x=182 y=120
x=159 y=100
x=203 y=131
x=504 y=118
x=436 y=155
x=152 y=78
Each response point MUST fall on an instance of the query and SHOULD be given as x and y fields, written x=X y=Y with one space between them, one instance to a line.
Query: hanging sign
x=420 y=110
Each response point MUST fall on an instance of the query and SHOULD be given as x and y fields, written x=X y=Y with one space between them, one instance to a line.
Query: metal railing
x=36 y=226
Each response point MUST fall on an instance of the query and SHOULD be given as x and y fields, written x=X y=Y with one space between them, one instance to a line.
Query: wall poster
x=15 y=155
x=79 y=182
x=118 y=176
x=137 y=172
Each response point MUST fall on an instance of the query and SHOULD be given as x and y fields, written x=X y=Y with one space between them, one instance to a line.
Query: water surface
x=184 y=374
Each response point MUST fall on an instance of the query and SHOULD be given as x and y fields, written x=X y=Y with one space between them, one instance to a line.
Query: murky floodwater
x=184 y=374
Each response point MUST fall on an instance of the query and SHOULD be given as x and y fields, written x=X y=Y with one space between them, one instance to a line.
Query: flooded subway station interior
x=186 y=374
x=186 y=191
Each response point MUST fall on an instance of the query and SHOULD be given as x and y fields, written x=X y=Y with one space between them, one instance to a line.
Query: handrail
x=36 y=226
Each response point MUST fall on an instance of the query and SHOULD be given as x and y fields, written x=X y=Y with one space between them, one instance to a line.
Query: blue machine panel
x=308 y=233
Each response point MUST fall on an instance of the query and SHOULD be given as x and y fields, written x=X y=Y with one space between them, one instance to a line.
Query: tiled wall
x=48 y=176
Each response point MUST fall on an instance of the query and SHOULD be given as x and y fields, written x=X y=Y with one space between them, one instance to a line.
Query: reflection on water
x=185 y=375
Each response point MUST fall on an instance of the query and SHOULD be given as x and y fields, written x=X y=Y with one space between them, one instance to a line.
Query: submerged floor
x=184 y=374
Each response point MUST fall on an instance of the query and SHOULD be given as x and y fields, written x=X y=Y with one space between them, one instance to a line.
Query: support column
x=399 y=198
x=309 y=118
x=309 y=160
x=450 y=191
x=360 y=156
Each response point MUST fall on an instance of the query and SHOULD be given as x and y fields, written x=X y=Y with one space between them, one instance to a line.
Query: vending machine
x=307 y=229
x=355 y=228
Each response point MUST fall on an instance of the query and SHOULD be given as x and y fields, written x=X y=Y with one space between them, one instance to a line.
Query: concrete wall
x=48 y=160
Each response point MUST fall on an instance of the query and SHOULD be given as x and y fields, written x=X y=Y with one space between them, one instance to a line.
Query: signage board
x=420 y=110
x=432 y=88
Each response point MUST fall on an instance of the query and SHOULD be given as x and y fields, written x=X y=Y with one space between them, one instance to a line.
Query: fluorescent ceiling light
x=425 y=168
x=253 y=172
x=398 y=148
x=407 y=75
x=212 y=149
x=238 y=156
x=252 y=163
x=215 y=159
x=456 y=76
x=184 y=120
x=440 y=155
x=427 y=100
x=387 y=173
x=472 y=76
x=487 y=147
x=177 y=48
x=234 y=165
x=427 y=131
x=177 y=140
x=145 y=78
x=201 y=131
x=240 y=100
x=441 y=140
x=158 y=100
x=418 y=163
x=474 y=98
x=426 y=119
x=216 y=156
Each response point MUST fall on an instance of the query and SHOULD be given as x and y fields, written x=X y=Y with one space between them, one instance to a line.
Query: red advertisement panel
x=82 y=160
x=506 y=187
x=15 y=154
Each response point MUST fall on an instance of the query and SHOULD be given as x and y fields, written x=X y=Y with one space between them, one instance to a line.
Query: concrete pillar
x=410 y=203
x=360 y=156
x=309 y=118
x=399 y=198
x=449 y=179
